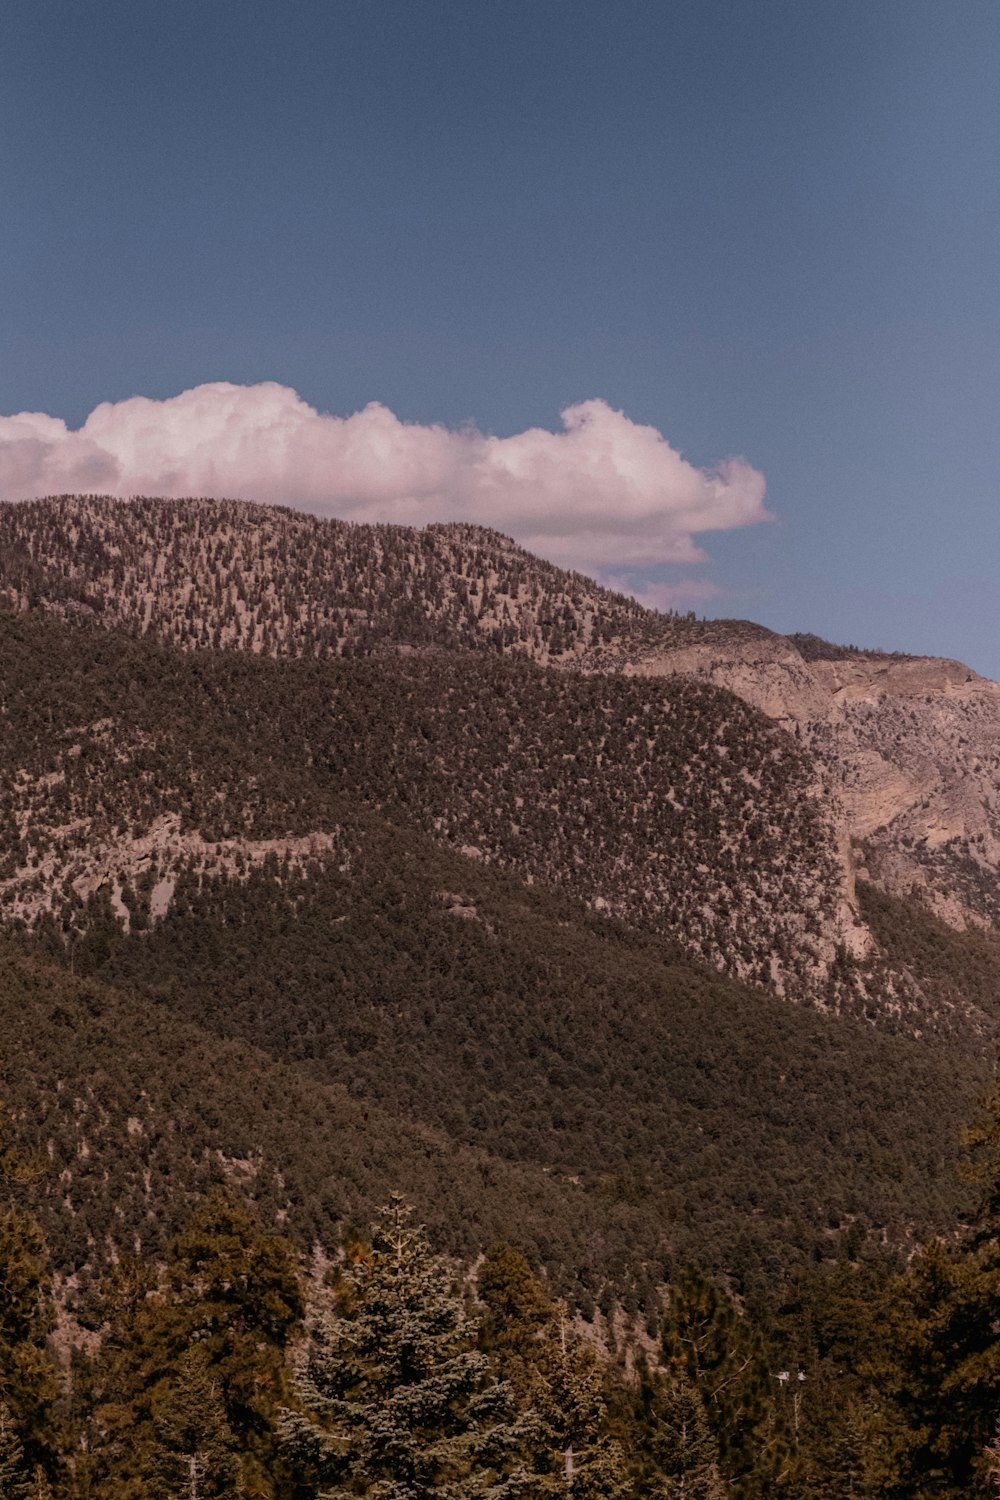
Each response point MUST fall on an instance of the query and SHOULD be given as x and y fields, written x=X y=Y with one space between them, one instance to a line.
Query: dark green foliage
x=27 y=1374
x=189 y=1374
x=555 y=1376
x=517 y=1309
x=162 y=1110
x=394 y=1398
x=938 y=1379
x=939 y=1364
x=14 y=1480
x=815 y=648
x=194 y=1452
x=829 y=1324
x=524 y=1036
x=235 y=1296
x=709 y=1344
x=682 y=1444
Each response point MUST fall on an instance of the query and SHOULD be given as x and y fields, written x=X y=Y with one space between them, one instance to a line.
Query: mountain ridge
x=498 y=855
x=903 y=746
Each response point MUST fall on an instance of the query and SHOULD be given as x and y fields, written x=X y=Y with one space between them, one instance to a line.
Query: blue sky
x=764 y=229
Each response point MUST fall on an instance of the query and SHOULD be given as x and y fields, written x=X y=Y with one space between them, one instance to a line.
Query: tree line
x=230 y=1370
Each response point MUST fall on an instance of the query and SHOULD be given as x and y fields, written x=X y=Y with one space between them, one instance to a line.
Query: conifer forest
x=464 y=1034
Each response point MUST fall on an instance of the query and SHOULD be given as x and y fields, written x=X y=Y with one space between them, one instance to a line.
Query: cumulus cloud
x=603 y=492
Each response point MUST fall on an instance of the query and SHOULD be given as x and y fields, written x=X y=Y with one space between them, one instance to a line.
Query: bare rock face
x=764 y=669
x=909 y=749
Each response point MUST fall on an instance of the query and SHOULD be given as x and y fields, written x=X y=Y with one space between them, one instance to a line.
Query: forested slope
x=221 y=839
x=223 y=573
x=130 y=1112
x=672 y=805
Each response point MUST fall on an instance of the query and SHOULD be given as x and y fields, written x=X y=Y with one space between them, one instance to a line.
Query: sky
x=700 y=296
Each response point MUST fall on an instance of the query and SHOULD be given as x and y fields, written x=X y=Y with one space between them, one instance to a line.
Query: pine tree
x=395 y=1398
x=194 y=1454
x=709 y=1342
x=13 y=1469
x=683 y=1445
x=235 y=1290
x=28 y=1385
x=568 y=1397
x=555 y=1376
x=992 y=1456
x=939 y=1372
x=935 y=1377
x=232 y=1293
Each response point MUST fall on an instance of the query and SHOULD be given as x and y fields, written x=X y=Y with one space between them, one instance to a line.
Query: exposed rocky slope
x=910 y=747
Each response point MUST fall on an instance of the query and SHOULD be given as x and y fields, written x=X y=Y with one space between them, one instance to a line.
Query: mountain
x=904 y=748
x=671 y=805
x=499 y=883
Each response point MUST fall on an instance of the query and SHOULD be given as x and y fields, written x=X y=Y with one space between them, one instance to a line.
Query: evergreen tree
x=934 y=1378
x=683 y=1445
x=232 y=1293
x=236 y=1291
x=13 y=1469
x=28 y=1385
x=939 y=1372
x=194 y=1454
x=395 y=1398
x=113 y=1389
x=711 y=1344
x=992 y=1456
x=555 y=1376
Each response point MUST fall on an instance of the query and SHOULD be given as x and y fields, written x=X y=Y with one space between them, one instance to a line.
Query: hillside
x=525 y=936
x=512 y=1061
x=227 y=574
x=905 y=747
x=672 y=805
x=248 y=868
x=131 y=1111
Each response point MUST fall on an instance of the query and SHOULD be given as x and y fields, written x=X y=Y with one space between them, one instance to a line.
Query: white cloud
x=604 y=492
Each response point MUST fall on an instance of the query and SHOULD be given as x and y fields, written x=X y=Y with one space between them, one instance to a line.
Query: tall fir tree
x=992 y=1458
x=14 y=1484
x=682 y=1444
x=713 y=1345
x=556 y=1377
x=28 y=1382
x=235 y=1290
x=230 y=1291
x=194 y=1454
x=395 y=1399
x=938 y=1376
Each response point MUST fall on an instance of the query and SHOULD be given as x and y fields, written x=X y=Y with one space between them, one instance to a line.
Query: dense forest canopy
x=344 y=869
